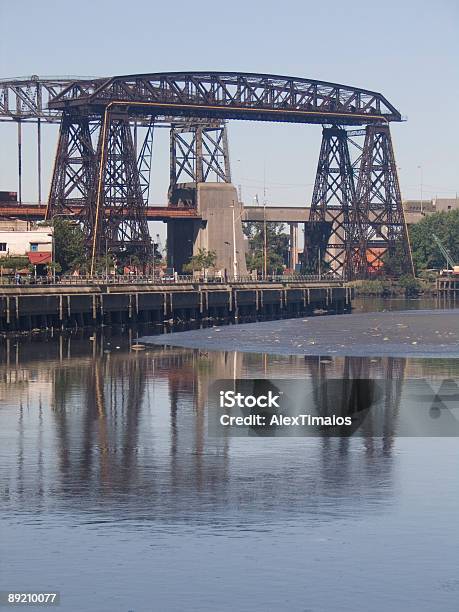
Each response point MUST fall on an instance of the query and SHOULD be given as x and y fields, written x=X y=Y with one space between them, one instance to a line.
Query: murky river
x=113 y=493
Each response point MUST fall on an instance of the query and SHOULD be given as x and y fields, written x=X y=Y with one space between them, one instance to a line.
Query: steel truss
x=144 y=160
x=105 y=190
x=357 y=218
x=383 y=228
x=27 y=99
x=233 y=95
x=199 y=154
x=120 y=223
x=333 y=235
x=75 y=170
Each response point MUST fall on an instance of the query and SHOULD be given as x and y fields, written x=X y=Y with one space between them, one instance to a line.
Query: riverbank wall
x=27 y=308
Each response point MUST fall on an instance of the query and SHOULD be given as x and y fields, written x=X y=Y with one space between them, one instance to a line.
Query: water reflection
x=89 y=426
x=112 y=491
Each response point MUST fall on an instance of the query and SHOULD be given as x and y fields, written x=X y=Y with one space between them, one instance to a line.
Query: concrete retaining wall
x=27 y=308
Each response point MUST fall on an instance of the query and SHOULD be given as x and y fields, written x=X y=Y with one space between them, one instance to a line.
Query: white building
x=19 y=239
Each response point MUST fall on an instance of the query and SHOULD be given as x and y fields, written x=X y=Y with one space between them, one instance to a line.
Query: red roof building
x=38 y=257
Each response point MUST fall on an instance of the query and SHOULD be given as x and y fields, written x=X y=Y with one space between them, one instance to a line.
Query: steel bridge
x=102 y=168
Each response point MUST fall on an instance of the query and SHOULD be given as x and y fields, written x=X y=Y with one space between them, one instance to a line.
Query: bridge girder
x=232 y=95
x=26 y=99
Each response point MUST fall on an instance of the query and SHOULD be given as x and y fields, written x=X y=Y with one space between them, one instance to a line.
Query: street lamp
x=234 y=244
x=106 y=259
x=420 y=168
x=155 y=244
x=52 y=259
x=235 y=252
x=265 y=240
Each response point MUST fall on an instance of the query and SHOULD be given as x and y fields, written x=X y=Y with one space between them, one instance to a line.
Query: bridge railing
x=134 y=279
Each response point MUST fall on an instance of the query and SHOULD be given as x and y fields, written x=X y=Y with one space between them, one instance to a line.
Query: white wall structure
x=19 y=242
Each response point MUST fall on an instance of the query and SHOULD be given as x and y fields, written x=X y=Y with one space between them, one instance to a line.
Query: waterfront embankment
x=61 y=306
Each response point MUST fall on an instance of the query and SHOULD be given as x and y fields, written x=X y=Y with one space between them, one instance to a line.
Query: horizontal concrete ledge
x=277 y=214
x=163 y=288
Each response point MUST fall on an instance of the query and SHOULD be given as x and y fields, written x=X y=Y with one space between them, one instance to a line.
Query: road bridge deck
x=279 y=214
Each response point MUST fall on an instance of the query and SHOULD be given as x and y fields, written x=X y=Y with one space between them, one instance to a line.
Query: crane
x=446 y=254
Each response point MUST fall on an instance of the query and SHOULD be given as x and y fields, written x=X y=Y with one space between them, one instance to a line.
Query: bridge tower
x=332 y=238
x=200 y=178
x=72 y=182
x=383 y=232
x=198 y=154
x=120 y=219
x=106 y=186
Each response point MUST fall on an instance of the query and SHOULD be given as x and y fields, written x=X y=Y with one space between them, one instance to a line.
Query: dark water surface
x=112 y=492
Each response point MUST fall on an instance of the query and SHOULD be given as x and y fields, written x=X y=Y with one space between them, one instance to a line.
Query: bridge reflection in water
x=87 y=422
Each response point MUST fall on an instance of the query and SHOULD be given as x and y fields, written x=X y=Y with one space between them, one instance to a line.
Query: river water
x=113 y=493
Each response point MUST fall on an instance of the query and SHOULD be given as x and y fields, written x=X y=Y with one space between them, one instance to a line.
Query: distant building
x=445 y=204
x=18 y=239
x=415 y=210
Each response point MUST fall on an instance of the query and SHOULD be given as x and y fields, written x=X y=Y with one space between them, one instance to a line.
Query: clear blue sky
x=408 y=50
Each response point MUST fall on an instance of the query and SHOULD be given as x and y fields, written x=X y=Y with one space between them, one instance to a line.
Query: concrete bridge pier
x=181 y=238
x=220 y=230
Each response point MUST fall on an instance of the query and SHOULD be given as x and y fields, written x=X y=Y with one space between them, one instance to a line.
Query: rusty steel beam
x=36 y=212
x=231 y=95
x=26 y=99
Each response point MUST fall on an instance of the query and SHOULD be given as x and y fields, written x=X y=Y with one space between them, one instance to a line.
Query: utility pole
x=106 y=259
x=265 y=239
x=265 y=243
x=422 y=207
x=53 y=262
x=20 y=161
x=39 y=159
x=234 y=245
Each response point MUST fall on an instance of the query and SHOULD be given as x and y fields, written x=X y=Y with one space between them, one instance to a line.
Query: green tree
x=129 y=257
x=277 y=246
x=411 y=285
x=14 y=262
x=396 y=264
x=426 y=253
x=203 y=260
x=69 y=244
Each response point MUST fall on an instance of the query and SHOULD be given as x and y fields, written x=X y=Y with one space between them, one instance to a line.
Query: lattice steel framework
x=198 y=154
x=333 y=207
x=144 y=160
x=112 y=183
x=119 y=219
x=75 y=168
x=105 y=190
x=234 y=95
x=26 y=99
x=383 y=228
